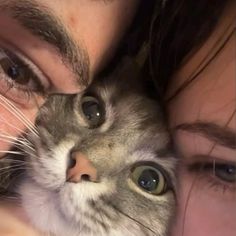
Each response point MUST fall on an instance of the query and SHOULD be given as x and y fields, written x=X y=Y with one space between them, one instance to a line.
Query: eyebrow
x=40 y=22
x=223 y=136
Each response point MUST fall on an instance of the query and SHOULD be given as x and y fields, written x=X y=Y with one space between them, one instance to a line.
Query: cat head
x=100 y=163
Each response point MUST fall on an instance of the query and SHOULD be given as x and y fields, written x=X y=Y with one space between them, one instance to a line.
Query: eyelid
x=206 y=173
x=45 y=82
x=26 y=95
x=200 y=158
x=42 y=78
x=208 y=164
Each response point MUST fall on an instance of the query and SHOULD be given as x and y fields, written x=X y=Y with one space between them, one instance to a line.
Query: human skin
x=207 y=196
x=94 y=29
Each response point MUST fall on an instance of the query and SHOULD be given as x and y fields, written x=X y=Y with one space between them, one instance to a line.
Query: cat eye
x=17 y=78
x=92 y=111
x=150 y=179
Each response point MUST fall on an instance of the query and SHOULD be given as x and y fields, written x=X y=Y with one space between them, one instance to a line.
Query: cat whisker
x=12 y=152
x=124 y=169
x=7 y=141
x=17 y=144
x=11 y=160
x=9 y=164
x=3 y=175
x=18 y=114
x=134 y=220
x=21 y=140
x=11 y=167
x=4 y=135
x=10 y=137
x=9 y=182
x=14 y=168
x=7 y=197
x=15 y=141
x=4 y=121
x=23 y=145
x=31 y=153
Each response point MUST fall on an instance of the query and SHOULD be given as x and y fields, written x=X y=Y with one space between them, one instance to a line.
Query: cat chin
x=44 y=211
x=62 y=210
x=43 y=208
x=75 y=198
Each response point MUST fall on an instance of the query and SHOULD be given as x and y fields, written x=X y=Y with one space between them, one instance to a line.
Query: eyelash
x=207 y=171
x=20 y=93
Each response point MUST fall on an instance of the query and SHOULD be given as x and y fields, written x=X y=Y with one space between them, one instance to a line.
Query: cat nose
x=82 y=169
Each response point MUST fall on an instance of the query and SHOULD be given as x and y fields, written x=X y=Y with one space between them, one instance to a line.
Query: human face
x=202 y=118
x=58 y=46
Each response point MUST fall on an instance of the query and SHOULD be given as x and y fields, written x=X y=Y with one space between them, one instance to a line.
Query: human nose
x=82 y=169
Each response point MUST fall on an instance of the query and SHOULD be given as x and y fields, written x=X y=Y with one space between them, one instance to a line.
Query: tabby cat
x=99 y=163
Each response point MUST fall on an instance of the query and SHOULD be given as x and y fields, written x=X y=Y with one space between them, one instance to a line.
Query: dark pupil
x=91 y=111
x=226 y=172
x=148 y=180
x=16 y=73
x=13 y=72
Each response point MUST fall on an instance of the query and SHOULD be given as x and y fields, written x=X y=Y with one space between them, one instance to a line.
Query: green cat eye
x=149 y=179
x=92 y=111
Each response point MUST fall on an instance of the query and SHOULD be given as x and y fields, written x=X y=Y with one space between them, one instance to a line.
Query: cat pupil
x=92 y=111
x=148 y=180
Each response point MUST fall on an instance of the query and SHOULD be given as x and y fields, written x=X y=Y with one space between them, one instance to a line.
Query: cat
x=100 y=162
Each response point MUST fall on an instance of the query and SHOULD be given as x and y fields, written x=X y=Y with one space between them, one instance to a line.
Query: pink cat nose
x=82 y=169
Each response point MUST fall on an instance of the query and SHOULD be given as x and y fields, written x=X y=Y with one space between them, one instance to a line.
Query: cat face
x=100 y=164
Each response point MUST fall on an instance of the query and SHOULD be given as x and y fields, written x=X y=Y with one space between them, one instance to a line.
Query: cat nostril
x=81 y=169
x=85 y=177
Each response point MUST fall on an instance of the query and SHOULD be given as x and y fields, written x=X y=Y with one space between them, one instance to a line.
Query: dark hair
x=180 y=27
x=171 y=29
x=137 y=34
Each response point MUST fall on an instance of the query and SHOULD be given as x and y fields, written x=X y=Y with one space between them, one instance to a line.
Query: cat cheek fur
x=48 y=166
x=73 y=204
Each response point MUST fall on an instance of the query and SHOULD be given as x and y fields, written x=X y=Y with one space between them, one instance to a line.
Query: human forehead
x=91 y=22
x=73 y=10
x=210 y=96
x=96 y=23
x=89 y=30
x=202 y=109
x=204 y=88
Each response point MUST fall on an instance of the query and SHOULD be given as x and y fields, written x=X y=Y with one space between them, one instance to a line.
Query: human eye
x=219 y=174
x=20 y=80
